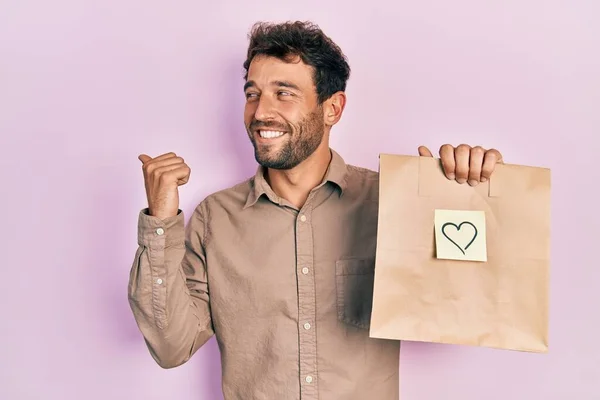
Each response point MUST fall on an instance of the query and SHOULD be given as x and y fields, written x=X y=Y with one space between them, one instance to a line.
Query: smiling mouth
x=265 y=134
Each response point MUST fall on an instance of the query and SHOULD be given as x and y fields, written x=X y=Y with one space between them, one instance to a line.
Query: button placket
x=158 y=269
x=307 y=303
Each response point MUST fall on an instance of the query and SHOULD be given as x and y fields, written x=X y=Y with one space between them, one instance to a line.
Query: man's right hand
x=162 y=176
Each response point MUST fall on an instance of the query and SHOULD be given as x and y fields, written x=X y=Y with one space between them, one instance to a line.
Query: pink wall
x=85 y=86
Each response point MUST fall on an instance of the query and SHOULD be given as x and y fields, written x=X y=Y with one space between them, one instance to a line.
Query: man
x=280 y=267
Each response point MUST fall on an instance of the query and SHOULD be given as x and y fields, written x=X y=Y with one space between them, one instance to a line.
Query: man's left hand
x=465 y=163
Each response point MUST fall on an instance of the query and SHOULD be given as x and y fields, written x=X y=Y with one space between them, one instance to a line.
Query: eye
x=251 y=95
x=284 y=93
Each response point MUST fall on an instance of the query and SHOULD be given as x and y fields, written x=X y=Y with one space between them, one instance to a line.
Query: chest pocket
x=354 y=286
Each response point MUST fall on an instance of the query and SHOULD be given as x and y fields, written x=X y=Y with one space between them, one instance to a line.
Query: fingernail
x=483 y=179
x=451 y=176
x=473 y=182
x=461 y=180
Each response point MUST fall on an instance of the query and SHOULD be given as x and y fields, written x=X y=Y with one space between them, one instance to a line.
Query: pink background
x=85 y=86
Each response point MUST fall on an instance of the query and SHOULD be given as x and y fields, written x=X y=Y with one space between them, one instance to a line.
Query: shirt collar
x=337 y=174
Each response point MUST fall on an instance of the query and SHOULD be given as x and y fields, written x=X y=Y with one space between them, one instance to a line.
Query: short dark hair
x=306 y=40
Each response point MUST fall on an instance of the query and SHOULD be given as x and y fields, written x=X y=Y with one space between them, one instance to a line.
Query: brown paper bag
x=500 y=302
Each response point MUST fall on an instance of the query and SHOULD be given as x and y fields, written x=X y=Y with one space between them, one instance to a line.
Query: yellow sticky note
x=460 y=235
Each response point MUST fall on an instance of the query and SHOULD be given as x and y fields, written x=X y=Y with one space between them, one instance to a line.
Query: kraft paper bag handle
x=433 y=182
x=426 y=176
x=508 y=180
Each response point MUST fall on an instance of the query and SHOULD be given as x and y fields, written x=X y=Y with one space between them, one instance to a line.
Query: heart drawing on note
x=459 y=238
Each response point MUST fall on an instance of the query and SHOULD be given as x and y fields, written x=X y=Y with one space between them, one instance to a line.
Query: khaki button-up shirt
x=287 y=292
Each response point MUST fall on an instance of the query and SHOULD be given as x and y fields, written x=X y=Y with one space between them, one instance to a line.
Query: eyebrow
x=286 y=84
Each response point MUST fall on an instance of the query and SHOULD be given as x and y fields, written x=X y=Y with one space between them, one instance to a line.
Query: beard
x=301 y=140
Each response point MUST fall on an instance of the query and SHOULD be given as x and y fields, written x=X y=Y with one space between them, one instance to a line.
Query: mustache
x=257 y=124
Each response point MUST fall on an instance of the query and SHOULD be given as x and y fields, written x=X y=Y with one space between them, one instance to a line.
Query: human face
x=282 y=116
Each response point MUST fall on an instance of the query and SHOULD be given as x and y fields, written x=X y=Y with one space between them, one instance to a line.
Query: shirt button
x=159 y=281
x=307 y=326
x=309 y=379
x=305 y=270
x=160 y=231
x=303 y=218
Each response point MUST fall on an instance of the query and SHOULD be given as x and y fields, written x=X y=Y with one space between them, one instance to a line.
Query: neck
x=295 y=184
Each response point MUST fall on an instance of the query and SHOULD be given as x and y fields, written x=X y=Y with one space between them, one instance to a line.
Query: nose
x=265 y=110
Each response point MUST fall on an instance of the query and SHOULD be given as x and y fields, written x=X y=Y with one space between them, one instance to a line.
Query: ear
x=333 y=108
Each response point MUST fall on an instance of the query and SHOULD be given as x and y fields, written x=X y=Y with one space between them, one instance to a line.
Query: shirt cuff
x=153 y=231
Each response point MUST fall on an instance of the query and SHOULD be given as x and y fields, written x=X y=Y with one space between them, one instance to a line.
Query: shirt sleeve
x=168 y=286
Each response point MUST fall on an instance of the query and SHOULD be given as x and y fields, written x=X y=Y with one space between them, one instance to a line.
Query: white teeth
x=270 y=134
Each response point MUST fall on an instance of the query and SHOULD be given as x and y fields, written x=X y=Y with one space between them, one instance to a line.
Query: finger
x=461 y=158
x=186 y=176
x=499 y=158
x=447 y=160
x=145 y=158
x=165 y=156
x=156 y=164
x=490 y=159
x=424 y=152
x=180 y=174
x=475 y=163
x=164 y=169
